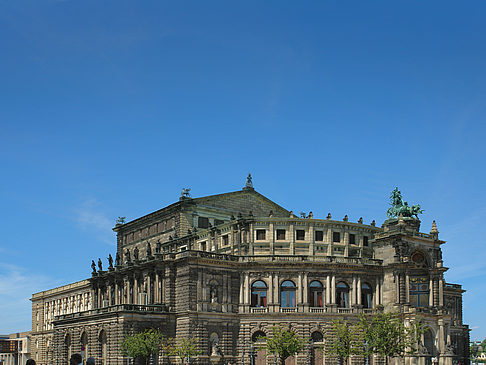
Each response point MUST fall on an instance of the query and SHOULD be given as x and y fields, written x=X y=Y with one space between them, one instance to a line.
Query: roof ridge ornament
x=185 y=194
x=249 y=183
x=399 y=207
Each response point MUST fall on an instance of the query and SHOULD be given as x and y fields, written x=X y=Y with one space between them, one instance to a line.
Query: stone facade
x=225 y=268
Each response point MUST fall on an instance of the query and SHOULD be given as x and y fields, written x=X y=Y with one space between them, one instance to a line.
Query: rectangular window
x=352 y=239
x=203 y=222
x=280 y=234
x=300 y=234
x=365 y=240
x=260 y=234
x=319 y=236
x=225 y=240
x=203 y=246
x=336 y=237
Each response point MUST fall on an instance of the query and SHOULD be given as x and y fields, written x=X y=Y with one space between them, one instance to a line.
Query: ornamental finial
x=434 y=229
x=249 y=182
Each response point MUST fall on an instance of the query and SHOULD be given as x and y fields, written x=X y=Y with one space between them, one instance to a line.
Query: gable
x=243 y=202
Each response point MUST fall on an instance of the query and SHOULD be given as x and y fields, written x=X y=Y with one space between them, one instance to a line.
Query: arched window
x=67 y=343
x=259 y=294
x=419 y=291
x=366 y=296
x=102 y=341
x=287 y=294
x=84 y=345
x=315 y=294
x=258 y=336
x=317 y=336
x=429 y=342
x=342 y=295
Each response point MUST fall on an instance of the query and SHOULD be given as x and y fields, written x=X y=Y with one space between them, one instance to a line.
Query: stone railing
x=305 y=258
x=158 y=308
x=452 y=286
x=322 y=310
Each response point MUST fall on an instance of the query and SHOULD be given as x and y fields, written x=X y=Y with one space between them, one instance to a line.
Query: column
x=270 y=289
x=292 y=239
x=397 y=287
x=99 y=302
x=359 y=291
x=247 y=288
x=306 y=288
x=441 y=292
x=407 y=287
x=311 y=240
x=328 y=289
x=276 y=299
x=436 y=292
x=441 y=346
x=377 y=292
x=163 y=288
x=135 y=290
x=329 y=242
x=149 y=289
x=299 y=290
x=225 y=288
x=109 y=294
x=353 y=293
x=333 y=289
x=271 y=231
x=346 y=244
x=431 y=293
x=251 y=240
x=156 y=288
x=242 y=288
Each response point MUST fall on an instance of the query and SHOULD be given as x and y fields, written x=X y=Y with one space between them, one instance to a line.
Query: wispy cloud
x=90 y=216
x=16 y=287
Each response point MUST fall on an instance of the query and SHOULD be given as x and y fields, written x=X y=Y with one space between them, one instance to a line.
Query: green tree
x=284 y=343
x=142 y=345
x=182 y=348
x=346 y=340
x=386 y=334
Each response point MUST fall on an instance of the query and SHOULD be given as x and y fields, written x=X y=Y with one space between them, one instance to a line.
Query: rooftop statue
x=110 y=261
x=185 y=193
x=398 y=206
x=120 y=220
x=249 y=182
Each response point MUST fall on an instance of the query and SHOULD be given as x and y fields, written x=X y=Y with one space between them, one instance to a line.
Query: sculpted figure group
x=398 y=206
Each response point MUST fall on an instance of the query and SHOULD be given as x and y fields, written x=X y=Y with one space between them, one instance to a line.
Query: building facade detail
x=225 y=268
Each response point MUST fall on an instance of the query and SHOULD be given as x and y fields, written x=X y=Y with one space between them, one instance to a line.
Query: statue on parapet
x=117 y=259
x=185 y=193
x=398 y=206
x=110 y=261
x=100 y=265
x=120 y=220
x=149 y=250
x=93 y=266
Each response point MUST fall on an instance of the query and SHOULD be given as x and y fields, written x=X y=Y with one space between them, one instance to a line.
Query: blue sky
x=109 y=108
